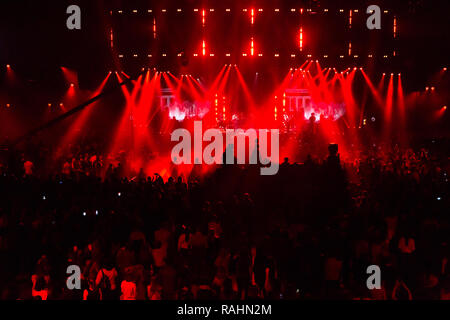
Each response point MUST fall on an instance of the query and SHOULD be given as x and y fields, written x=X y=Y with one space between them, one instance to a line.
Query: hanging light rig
x=252 y=21
x=111 y=38
x=275 y=109
x=301 y=39
x=395 y=27
x=203 y=27
x=216 y=105
x=350 y=19
x=224 y=116
x=395 y=34
x=252 y=48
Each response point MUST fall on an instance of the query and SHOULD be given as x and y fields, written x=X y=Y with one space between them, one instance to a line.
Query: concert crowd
x=309 y=232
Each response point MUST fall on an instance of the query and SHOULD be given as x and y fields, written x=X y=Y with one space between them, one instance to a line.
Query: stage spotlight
x=444 y=107
x=8 y=105
x=445 y=69
x=72 y=85
x=8 y=66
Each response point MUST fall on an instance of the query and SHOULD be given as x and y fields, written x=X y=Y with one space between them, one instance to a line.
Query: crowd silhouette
x=309 y=232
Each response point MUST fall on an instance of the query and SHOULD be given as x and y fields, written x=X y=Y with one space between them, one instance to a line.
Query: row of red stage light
x=344 y=72
x=252 y=11
x=8 y=67
x=244 y=54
